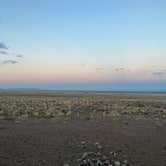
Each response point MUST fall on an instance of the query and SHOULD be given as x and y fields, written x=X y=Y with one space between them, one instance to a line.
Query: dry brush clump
x=88 y=105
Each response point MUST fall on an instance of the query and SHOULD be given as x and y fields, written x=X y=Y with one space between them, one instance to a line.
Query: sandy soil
x=54 y=142
x=49 y=128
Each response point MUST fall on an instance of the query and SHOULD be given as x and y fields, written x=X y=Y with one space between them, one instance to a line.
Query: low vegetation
x=23 y=105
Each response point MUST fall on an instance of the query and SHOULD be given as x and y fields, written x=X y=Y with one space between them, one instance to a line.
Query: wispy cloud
x=19 y=55
x=84 y=65
x=99 y=69
x=9 y=62
x=3 y=52
x=3 y=46
x=119 y=69
x=159 y=73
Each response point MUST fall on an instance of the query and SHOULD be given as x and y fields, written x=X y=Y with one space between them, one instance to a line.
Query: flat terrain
x=53 y=128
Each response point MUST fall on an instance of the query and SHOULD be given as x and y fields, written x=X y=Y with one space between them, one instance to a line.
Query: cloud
x=159 y=73
x=19 y=55
x=3 y=46
x=99 y=69
x=3 y=52
x=9 y=62
x=84 y=65
x=119 y=69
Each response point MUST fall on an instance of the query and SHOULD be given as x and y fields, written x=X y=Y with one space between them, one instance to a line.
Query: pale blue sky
x=83 y=41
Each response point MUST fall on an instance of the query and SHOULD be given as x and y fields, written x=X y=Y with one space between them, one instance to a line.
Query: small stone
x=125 y=162
x=17 y=122
x=99 y=163
x=117 y=163
x=98 y=154
x=85 y=162
x=84 y=155
x=91 y=154
x=83 y=142
x=42 y=163
x=99 y=147
x=79 y=160
x=66 y=164
x=81 y=164
x=106 y=163
x=114 y=154
x=104 y=158
x=94 y=160
x=111 y=153
x=90 y=162
x=96 y=143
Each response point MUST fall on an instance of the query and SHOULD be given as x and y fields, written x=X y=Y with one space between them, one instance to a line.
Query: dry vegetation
x=86 y=136
x=45 y=104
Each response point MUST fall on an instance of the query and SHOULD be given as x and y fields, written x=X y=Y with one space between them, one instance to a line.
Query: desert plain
x=82 y=128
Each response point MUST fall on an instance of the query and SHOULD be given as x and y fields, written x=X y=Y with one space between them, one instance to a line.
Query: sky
x=83 y=44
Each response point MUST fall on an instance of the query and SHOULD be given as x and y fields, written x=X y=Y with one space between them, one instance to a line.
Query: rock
x=68 y=113
x=83 y=142
x=94 y=160
x=90 y=153
x=106 y=163
x=99 y=147
x=114 y=154
x=79 y=160
x=99 y=158
x=99 y=163
x=85 y=162
x=117 y=163
x=104 y=157
x=84 y=156
x=42 y=163
x=81 y=164
x=66 y=164
x=98 y=154
x=96 y=143
x=125 y=162
x=90 y=162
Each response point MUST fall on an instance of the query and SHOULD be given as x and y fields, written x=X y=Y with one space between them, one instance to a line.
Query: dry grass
x=45 y=104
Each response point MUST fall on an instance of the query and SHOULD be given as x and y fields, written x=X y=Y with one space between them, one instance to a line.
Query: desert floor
x=74 y=128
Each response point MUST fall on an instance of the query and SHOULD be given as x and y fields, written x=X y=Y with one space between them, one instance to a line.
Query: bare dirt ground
x=124 y=128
